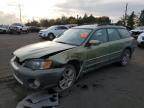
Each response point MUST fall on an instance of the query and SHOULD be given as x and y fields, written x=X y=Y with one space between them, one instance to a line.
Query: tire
x=4 y=32
x=18 y=32
x=141 y=45
x=67 y=79
x=51 y=36
x=125 y=58
x=43 y=38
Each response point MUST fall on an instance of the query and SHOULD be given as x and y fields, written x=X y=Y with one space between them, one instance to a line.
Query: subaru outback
x=59 y=63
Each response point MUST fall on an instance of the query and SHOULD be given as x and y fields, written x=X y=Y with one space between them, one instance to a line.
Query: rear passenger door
x=115 y=44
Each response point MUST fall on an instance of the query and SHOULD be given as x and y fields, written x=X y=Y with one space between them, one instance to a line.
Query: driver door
x=98 y=54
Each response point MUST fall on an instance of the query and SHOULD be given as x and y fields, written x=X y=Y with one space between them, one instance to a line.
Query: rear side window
x=124 y=33
x=113 y=34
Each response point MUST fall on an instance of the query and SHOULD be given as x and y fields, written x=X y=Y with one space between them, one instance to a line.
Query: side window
x=124 y=33
x=100 y=35
x=61 y=28
x=113 y=34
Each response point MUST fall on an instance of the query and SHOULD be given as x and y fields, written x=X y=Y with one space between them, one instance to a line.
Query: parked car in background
x=140 y=40
x=34 y=29
x=52 y=32
x=59 y=63
x=135 y=32
x=18 y=28
x=71 y=25
x=3 y=30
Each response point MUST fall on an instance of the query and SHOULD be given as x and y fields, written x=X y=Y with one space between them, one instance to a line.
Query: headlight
x=36 y=64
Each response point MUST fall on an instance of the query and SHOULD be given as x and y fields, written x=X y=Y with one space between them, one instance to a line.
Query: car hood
x=43 y=30
x=38 y=50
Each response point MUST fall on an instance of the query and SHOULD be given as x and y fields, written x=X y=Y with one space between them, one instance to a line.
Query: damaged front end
x=40 y=76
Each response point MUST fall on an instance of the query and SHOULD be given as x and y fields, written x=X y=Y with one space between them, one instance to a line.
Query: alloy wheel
x=68 y=78
x=125 y=58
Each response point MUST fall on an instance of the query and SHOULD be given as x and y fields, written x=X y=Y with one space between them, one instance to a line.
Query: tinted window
x=61 y=27
x=100 y=35
x=124 y=33
x=74 y=36
x=113 y=34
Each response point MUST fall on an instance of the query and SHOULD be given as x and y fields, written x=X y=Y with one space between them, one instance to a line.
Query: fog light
x=37 y=83
x=34 y=84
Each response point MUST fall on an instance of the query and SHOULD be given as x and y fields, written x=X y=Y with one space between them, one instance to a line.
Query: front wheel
x=51 y=36
x=141 y=45
x=125 y=58
x=68 y=78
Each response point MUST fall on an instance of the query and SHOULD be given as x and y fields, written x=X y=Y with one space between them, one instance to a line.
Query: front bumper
x=42 y=35
x=35 y=79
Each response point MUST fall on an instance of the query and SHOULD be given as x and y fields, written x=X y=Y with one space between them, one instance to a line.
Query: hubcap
x=51 y=37
x=67 y=78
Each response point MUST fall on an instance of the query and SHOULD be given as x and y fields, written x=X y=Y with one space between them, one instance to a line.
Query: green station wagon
x=59 y=63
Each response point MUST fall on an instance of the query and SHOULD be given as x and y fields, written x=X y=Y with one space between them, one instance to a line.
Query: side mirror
x=94 y=42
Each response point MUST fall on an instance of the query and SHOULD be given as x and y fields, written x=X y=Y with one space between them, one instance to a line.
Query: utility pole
x=77 y=17
x=125 y=20
x=19 y=7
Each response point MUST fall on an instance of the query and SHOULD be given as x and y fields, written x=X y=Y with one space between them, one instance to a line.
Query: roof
x=87 y=26
x=94 y=26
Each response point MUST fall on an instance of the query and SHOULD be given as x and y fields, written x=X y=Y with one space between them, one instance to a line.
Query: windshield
x=73 y=36
x=52 y=27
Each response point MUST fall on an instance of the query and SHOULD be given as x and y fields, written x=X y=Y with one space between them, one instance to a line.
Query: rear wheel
x=125 y=58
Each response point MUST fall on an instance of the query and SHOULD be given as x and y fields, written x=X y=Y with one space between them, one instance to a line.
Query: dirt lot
x=108 y=87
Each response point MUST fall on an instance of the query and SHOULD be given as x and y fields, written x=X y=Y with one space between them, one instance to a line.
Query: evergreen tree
x=141 y=18
x=130 y=21
x=91 y=19
x=85 y=21
x=44 y=22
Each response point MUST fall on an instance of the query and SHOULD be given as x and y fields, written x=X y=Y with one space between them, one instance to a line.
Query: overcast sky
x=37 y=9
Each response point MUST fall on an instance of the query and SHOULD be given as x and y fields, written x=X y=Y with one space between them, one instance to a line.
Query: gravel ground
x=109 y=87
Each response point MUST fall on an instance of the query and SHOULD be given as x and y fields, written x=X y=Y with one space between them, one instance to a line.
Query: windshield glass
x=73 y=36
x=52 y=27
